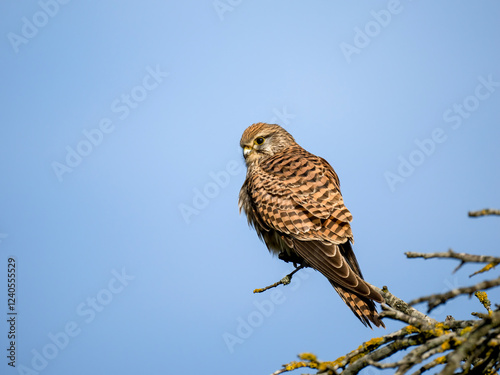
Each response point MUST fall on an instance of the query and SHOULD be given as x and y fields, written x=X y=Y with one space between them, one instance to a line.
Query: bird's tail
x=362 y=307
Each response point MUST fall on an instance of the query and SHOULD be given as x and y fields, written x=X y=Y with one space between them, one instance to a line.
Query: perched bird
x=292 y=199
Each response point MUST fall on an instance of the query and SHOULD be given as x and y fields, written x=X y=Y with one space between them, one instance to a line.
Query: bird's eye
x=259 y=140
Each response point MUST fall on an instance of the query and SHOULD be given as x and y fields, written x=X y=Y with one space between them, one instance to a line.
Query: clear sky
x=120 y=170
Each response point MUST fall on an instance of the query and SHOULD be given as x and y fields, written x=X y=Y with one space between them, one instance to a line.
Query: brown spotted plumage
x=292 y=199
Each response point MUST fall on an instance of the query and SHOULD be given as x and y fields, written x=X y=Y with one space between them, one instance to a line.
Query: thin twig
x=485 y=212
x=486 y=268
x=436 y=300
x=451 y=254
x=284 y=281
x=463 y=257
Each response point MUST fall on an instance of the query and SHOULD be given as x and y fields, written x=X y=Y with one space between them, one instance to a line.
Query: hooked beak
x=247 y=150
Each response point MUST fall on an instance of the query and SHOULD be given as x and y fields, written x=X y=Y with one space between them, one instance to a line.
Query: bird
x=292 y=199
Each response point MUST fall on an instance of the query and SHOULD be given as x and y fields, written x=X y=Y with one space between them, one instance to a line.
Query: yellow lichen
x=494 y=343
x=339 y=361
x=437 y=330
x=308 y=357
x=486 y=268
x=489 y=266
x=465 y=331
x=412 y=329
x=356 y=357
x=294 y=365
x=440 y=360
x=367 y=347
x=440 y=329
x=308 y=360
x=373 y=343
x=483 y=298
x=445 y=346
x=433 y=333
x=323 y=366
x=456 y=341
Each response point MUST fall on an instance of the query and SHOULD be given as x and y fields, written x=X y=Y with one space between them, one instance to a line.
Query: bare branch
x=464 y=257
x=421 y=352
x=454 y=358
x=402 y=306
x=402 y=317
x=436 y=300
x=485 y=212
x=462 y=346
x=284 y=281
x=436 y=362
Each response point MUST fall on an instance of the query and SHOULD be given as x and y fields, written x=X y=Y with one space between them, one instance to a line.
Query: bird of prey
x=292 y=199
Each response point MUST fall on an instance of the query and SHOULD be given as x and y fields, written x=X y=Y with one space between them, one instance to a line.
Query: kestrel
x=292 y=199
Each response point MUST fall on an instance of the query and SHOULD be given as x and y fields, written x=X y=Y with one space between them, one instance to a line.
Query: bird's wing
x=302 y=191
x=298 y=195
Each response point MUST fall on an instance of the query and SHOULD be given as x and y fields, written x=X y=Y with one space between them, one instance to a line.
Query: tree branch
x=460 y=256
x=469 y=344
x=435 y=300
x=402 y=306
x=284 y=281
x=485 y=212
x=466 y=348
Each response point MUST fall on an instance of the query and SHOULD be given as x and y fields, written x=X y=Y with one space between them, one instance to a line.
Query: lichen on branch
x=452 y=346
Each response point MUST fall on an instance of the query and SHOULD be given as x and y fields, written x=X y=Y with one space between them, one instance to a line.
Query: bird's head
x=261 y=141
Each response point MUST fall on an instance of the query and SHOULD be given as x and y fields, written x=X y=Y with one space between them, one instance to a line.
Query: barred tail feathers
x=362 y=307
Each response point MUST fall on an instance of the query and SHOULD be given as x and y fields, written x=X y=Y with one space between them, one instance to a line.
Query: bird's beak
x=247 y=150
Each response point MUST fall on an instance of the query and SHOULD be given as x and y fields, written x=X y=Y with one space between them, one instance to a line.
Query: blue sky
x=121 y=168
